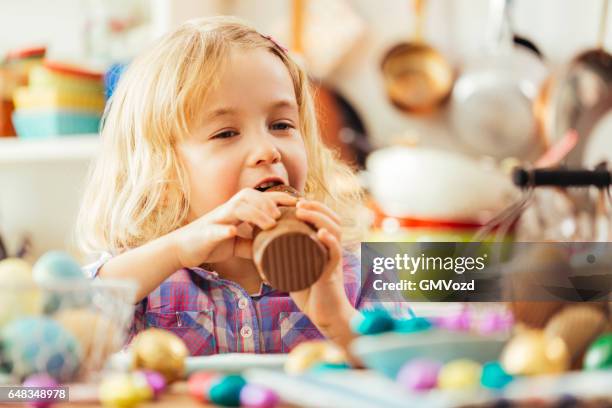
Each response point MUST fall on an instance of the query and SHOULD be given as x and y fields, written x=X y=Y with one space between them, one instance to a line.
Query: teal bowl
x=388 y=352
x=51 y=123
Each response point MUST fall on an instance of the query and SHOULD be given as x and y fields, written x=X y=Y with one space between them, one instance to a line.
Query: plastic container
x=56 y=98
x=41 y=124
x=68 y=331
x=42 y=77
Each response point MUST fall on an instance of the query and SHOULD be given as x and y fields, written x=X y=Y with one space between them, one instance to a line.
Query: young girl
x=197 y=127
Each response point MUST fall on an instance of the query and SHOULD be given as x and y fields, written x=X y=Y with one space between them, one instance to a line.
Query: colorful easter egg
x=97 y=335
x=462 y=373
x=372 y=322
x=309 y=353
x=41 y=381
x=18 y=294
x=530 y=352
x=120 y=390
x=226 y=390
x=156 y=381
x=40 y=345
x=494 y=376
x=199 y=384
x=599 y=354
x=160 y=350
x=419 y=374
x=256 y=396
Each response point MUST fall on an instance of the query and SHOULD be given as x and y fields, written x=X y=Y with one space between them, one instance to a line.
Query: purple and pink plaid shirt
x=214 y=315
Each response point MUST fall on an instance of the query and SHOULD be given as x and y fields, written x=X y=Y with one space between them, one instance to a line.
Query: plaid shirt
x=214 y=315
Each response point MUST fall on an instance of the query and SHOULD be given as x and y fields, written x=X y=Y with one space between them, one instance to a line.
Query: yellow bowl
x=41 y=77
x=55 y=98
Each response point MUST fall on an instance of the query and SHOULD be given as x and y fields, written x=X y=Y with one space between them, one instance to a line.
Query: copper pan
x=417 y=77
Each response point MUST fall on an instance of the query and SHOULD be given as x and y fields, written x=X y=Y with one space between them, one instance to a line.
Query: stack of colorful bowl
x=60 y=99
x=14 y=71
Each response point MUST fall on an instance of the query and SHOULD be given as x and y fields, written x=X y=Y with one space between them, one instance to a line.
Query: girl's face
x=249 y=133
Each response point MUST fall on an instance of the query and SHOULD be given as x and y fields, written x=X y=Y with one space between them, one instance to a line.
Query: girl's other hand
x=220 y=234
x=325 y=302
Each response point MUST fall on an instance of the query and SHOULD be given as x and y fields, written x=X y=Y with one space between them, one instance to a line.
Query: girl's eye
x=225 y=134
x=282 y=126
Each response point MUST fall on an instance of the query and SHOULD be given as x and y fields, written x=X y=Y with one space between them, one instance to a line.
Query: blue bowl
x=387 y=352
x=43 y=124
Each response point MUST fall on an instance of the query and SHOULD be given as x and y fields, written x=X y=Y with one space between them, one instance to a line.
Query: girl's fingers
x=281 y=198
x=333 y=245
x=319 y=220
x=256 y=216
x=243 y=248
x=318 y=206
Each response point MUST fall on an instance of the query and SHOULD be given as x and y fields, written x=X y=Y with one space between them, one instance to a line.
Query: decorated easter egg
x=599 y=354
x=199 y=384
x=307 y=354
x=56 y=267
x=226 y=390
x=41 y=381
x=419 y=374
x=40 y=345
x=120 y=390
x=531 y=352
x=412 y=325
x=160 y=350
x=18 y=294
x=256 y=396
x=372 y=322
x=577 y=326
x=462 y=373
x=494 y=376
x=97 y=335
x=155 y=381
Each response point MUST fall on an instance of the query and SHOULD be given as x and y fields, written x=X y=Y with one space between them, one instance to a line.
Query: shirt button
x=246 y=332
x=242 y=303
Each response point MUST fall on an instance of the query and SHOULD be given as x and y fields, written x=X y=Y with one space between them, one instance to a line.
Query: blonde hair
x=137 y=189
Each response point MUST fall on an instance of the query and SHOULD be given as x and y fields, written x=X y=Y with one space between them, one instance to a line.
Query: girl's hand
x=325 y=302
x=215 y=236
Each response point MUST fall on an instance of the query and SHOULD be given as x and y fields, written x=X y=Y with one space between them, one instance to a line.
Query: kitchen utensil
x=492 y=100
x=417 y=77
x=578 y=96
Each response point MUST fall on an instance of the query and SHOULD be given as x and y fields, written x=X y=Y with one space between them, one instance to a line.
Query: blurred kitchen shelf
x=65 y=148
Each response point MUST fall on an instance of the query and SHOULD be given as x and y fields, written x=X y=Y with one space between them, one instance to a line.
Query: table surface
x=176 y=396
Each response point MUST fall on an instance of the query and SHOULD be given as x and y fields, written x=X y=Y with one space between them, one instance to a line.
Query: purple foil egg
x=256 y=396
x=41 y=381
x=156 y=381
x=457 y=322
x=495 y=322
x=419 y=374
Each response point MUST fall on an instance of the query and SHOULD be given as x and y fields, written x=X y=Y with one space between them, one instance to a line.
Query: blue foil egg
x=40 y=345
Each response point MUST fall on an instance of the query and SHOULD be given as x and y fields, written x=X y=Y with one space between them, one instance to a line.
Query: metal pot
x=417 y=77
x=492 y=100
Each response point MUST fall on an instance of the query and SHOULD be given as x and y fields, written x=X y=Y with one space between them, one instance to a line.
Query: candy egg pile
x=49 y=322
x=574 y=336
x=230 y=390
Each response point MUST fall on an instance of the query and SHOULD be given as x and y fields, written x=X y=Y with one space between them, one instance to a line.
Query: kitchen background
x=41 y=177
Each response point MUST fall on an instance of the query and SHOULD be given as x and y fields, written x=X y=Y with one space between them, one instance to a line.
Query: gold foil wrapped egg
x=306 y=355
x=98 y=336
x=531 y=352
x=577 y=326
x=161 y=351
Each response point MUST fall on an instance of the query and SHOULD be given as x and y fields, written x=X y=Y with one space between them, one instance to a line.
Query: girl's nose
x=264 y=151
